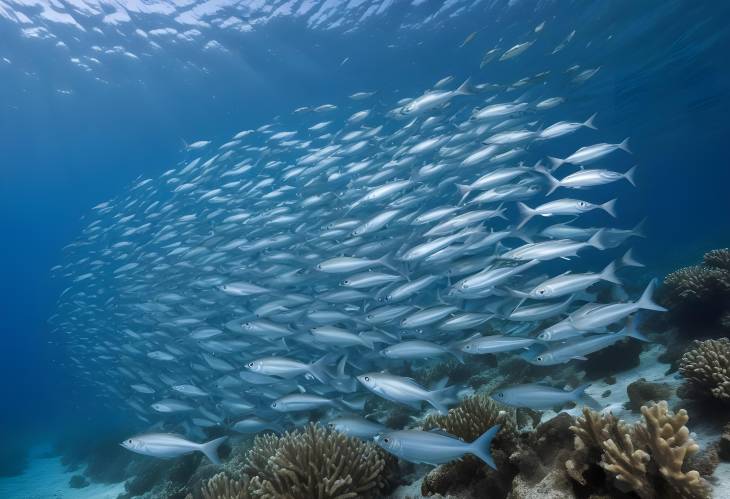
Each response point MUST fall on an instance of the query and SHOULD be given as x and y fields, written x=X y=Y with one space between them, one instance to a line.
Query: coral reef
x=641 y=392
x=648 y=458
x=699 y=296
x=706 y=370
x=318 y=463
x=469 y=420
x=221 y=486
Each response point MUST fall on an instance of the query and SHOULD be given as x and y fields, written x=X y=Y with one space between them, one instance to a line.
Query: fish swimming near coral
x=435 y=447
x=308 y=266
x=168 y=446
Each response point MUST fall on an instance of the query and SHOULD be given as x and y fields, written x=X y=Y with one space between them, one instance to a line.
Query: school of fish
x=292 y=271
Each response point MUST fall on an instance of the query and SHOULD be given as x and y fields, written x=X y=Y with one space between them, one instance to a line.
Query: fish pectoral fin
x=579 y=357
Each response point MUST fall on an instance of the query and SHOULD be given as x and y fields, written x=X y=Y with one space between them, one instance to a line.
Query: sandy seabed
x=47 y=478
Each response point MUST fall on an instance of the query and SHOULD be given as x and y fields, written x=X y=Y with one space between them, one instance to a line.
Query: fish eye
x=541 y=291
x=539 y=358
x=129 y=441
x=500 y=395
x=250 y=364
x=367 y=378
x=273 y=404
x=331 y=425
x=467 y=347
x=386 y=440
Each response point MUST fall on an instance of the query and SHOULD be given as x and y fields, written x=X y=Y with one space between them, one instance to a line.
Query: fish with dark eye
x=169 y=446
x=434 y=447
x=541 y=397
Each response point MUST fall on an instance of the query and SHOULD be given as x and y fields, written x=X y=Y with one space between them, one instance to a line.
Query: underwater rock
x=649 y=458
x=317 y=462
x=146 y=479
x=554 y=485
x=705 y=461
x=641 y=392
x=706 y=370
x=78 y=482
x=723 y=447
x=698 y=297
x=13 y=458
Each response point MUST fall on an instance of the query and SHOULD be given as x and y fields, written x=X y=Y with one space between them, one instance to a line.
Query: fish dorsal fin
x=443 y=433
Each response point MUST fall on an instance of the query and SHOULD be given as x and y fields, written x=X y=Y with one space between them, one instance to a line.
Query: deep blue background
x=664 y=82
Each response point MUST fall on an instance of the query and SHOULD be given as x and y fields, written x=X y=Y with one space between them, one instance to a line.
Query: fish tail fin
x=629 y=175
x=581 y=396
x=589 y=122
x=318 y=369
x=631 y=331
x=596 y=240
x=624 y=145
x=646 y=302
x=499 y=212
x=387 y=261
x=553 y=183
x=458 y=354
x=366 y=341
x=464 y=190
x=481 y=447
x=609 y=207
x=556 y=162
x=628 y=260
x=524 y=235
x=465 y=88
x=638 y=231
x=441 y=398
x=609 y=274
x=210 y=449
x=526 y=212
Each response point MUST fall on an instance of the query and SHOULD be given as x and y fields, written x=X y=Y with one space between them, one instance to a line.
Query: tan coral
x=317 y=463
x=472 y=417
x=706 y=369
x=221 y=486
x=669 y=443
x=647 y=458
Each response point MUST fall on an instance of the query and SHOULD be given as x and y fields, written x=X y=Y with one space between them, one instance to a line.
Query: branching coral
x=221 y=486
x=706 y=369
x=647 y=458
x=317 y=463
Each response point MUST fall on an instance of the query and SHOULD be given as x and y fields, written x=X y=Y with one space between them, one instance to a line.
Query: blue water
x=71 y=138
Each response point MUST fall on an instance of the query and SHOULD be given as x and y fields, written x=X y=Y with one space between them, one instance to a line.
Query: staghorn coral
x=221 y=486
x=647 y=458
x=706 y=369
x=699 y=296
x=472 y=417
x=317 y=463
x=264 y=447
